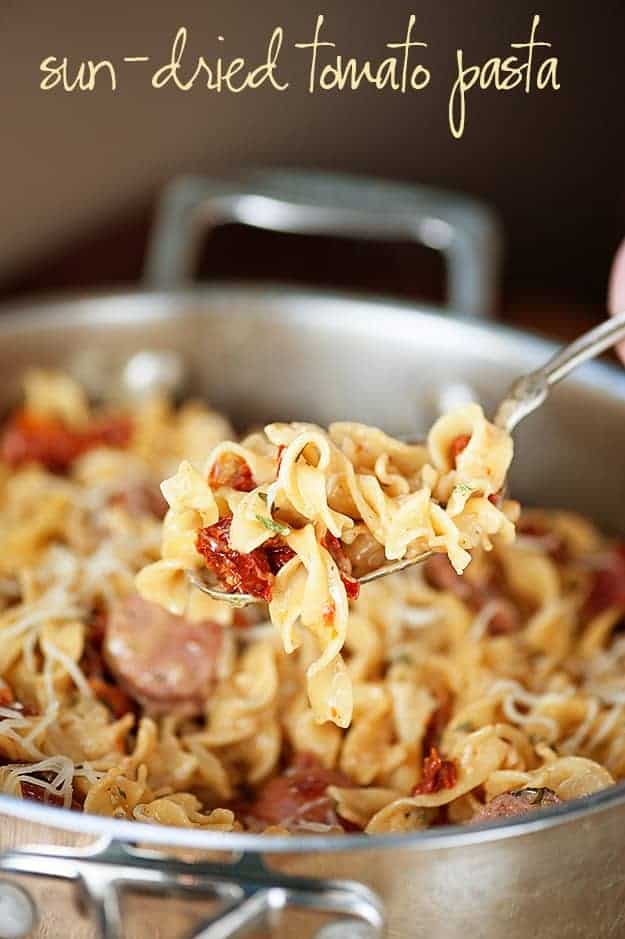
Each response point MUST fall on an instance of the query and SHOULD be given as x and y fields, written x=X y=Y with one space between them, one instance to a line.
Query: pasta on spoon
x=293 y=515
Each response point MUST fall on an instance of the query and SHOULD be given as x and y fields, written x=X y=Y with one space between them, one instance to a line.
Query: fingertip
x=616 y=290
x=616 y=286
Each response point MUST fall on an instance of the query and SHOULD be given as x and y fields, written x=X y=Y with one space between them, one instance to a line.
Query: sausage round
x=510 y=804
x=165 y=662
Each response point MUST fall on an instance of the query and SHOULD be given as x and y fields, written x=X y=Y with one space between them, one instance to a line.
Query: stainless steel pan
x=283 y=353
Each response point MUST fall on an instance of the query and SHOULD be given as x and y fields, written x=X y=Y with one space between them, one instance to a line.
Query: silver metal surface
x=269 y=353
x=464 y=230
x=387 y=363
x=530 y=391
x=18 y=915
x=153 y=372
x=248 y=893
x=238 y=600
x=244 y=599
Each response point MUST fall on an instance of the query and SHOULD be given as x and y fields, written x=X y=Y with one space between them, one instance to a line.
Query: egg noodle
x=488 y=681
x=372 y=494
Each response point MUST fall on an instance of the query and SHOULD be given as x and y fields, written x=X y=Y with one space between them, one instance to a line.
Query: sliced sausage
x=505 y=620
x=510 y=804
x=550 y=541
x=440 y=574
x=164 y=662
x=608 y=587
x=299 y=794
x=141 y=499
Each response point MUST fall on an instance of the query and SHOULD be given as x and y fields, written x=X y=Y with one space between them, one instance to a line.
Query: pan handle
x=463 y=229
x=250 y=894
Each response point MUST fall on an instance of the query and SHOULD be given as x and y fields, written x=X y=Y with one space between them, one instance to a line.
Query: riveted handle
x=464 y=230
x=249 y=893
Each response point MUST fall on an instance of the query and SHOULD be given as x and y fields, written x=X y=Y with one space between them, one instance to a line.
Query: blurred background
x=82 y=171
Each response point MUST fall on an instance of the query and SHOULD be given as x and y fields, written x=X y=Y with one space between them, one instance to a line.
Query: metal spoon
x=524 y=396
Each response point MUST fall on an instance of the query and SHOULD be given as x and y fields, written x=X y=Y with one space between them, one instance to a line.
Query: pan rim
x=84 y=308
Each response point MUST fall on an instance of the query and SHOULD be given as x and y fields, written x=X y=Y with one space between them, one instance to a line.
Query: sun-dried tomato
x=608 y=587
x=437 y=774
x=278 y=553
x=114 y=431
x=334 y=547
x=239 y=573
x=352 y=587
x=31 y=438
x=281 y=450
x=332 y=544
x=233 y=471
x=8 y=700
x=458 y=444
x=39 y=794
x=97 y=672
x=438 y=722
x=112 y=695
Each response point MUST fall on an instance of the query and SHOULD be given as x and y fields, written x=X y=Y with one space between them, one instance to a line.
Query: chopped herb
x=263 y=496
x=463 y=489
x=465 y=728
x=272 y=525
x=403 y=659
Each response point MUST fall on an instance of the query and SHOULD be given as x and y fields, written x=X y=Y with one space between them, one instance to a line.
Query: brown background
x=81 y=171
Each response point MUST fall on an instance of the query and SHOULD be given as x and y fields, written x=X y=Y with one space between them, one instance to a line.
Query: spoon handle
x=530 y=391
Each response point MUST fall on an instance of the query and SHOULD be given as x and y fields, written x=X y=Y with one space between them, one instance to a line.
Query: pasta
x=320 y=506
x=459 y=697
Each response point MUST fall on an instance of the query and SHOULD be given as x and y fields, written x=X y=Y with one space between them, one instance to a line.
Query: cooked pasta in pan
x=291 y=515
x=485 y=683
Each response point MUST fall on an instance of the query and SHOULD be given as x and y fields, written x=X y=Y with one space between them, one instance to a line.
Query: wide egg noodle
x=510 y=670
x=332 y=483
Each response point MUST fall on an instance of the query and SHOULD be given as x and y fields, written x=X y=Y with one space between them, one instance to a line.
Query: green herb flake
x=465 y=728
x=403 y=659
x=272 y=525
x=463 y=489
